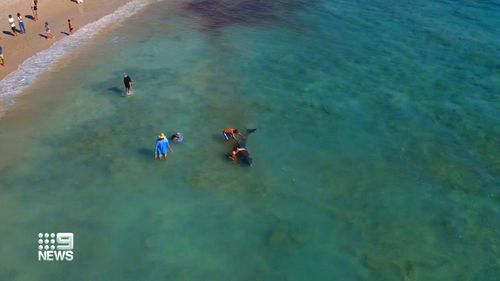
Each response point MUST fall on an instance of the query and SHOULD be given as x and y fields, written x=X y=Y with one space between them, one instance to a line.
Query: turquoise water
x=376 y=155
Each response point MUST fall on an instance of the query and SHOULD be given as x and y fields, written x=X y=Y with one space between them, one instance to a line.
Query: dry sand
x=57 y=12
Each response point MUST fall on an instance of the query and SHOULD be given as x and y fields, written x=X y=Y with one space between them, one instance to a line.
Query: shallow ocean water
x=375 y=157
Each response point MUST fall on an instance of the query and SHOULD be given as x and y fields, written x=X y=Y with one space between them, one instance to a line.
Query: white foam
x=18 y=80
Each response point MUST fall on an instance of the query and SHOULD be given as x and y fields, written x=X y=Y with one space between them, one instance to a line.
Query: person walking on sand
x=48 y=33
x=127 y=81
x=22 y=29
x=12 y=25
x=2 y=60
x=34 y=9
x=70 y=27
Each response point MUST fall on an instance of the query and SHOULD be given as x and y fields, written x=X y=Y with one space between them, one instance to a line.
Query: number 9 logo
x=64 y=241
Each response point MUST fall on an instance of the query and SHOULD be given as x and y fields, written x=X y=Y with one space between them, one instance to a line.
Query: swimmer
x=177 y=137
x=231 y=133
x=162 y=146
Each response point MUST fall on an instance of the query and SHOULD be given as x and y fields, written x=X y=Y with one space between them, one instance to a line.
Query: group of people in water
x=239 y=151
x=163 y=146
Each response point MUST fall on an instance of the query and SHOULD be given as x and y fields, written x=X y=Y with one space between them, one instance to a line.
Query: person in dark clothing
x=34 y=8
x=70 y=27
x=127 y=81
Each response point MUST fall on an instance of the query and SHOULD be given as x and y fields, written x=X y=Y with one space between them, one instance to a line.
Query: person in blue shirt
x=162 y=147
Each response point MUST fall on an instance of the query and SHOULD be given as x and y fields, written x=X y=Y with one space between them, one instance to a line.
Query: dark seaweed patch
x=221 y=13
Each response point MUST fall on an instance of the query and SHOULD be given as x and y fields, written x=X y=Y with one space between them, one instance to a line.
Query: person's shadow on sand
x=65 y=33
x=43 y=35
x=30 y=17
x=8 y=33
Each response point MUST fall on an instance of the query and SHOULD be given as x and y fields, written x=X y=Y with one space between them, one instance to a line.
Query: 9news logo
x=55 y=246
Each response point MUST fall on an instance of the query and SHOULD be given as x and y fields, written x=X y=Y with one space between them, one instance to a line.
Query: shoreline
x=17 y=49
x=35 y=59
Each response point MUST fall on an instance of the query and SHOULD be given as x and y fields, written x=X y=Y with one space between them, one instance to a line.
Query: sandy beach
x=17 y=49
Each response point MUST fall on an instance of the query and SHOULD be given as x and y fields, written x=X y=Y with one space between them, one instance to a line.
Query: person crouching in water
x=231 y=133
x=177 y=137
x=241 y=153
x=162 y=147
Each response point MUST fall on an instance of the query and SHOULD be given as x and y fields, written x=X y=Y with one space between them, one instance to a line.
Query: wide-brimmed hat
x=161 y=136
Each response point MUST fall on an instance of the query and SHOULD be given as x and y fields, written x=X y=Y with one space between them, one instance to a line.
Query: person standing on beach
x=48 y=33
x=22 y=29
x=2 y=60
x=12 y=25
x=70 y=27
x=34 y=8
x=128 y=84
